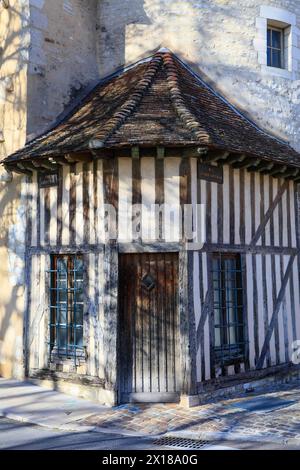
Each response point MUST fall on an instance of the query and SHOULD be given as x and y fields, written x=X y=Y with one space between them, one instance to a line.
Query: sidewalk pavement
x=275 y=420
x=22 y=401
x=272 y=416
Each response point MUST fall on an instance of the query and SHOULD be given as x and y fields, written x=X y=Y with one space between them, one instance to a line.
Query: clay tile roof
x=158 y=101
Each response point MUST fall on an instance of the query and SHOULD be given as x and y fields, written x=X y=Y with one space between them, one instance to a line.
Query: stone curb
x=228 y=436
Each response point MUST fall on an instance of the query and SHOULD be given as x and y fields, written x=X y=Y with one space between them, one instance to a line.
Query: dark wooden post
x=110 y=300
x=186 y=304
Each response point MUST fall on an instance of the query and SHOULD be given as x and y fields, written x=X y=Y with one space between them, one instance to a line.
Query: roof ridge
x=188 y=118
x=128 y=107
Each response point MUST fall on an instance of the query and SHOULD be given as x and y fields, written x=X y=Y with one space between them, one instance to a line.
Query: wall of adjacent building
x=222 y=38
x=62 y=60
x=47 y=57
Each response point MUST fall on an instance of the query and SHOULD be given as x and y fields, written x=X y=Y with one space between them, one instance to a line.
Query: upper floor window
x=276 y=42
x=275 y=47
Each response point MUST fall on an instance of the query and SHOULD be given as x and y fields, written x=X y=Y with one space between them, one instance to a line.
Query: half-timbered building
x=129 y=308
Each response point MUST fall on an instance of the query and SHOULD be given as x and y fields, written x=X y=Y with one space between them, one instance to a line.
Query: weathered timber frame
x=191 y=337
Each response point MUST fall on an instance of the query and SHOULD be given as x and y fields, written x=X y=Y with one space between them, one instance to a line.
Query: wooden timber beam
x=278 y=171
x=189 y=152
x=15 y=169
x=247 y=163
x=79 y=157
x=233 y=158
x=160 y=153
x=59 y=160
x=135 y=152
x=43 y=165
x=277 y=306
x=291 y=173
x=296 y=178
x=214 y=156
x=264 y=167
x=28 y=165
x=23 y=169
x=268 y=214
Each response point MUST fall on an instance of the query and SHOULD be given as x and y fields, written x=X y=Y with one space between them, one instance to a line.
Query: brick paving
x=216 y=417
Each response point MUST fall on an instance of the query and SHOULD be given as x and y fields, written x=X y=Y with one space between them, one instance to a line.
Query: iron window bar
x=229 y=324
x=66 y=308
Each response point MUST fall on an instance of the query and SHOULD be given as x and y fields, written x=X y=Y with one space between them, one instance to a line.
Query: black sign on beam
x=46 y=180
x=210 y=173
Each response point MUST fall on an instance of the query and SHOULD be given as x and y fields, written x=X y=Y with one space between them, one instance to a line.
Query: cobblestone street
x=228 y=419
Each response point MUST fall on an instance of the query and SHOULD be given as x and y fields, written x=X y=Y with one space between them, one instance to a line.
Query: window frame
x=227 y=352
x=272 y=28
x=71 y=350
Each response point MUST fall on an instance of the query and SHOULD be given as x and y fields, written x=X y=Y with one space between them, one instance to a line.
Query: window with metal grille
x=275 y=47
x=228 y=308
x=66 y=310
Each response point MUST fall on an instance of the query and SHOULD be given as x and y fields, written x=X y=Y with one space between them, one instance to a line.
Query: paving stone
x=212 y=417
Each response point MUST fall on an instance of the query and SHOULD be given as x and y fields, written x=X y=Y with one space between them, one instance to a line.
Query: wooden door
x=149 y=337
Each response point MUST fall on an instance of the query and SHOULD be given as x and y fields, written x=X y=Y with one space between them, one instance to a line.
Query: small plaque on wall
x=210 y=173
x=46 y=180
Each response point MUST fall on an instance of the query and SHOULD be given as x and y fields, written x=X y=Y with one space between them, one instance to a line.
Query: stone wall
x=62 y=59
x=14 y=52
x=218 y=37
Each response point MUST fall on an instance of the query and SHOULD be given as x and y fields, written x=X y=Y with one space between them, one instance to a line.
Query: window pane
x=78 y=314
x=268 y=37
x=79 y=337
x=62 y=338
x=276 y=39
x=62 y=314
x=276 y=58
x=62 y=268
x=78 y=266
x=269 y=57
x=228 y=310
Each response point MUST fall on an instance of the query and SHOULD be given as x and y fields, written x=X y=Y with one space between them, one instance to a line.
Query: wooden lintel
x=160 y=153
x=135 y=152
x=78 y=157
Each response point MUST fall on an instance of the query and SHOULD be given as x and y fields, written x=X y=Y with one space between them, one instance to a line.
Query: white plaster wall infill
x=287 y=18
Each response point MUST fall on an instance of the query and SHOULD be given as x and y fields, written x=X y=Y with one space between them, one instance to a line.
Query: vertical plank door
x=149 y=336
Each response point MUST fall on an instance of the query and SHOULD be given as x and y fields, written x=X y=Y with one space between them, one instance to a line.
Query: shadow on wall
x=13 y=66
x=114 y=18
x=13 y=59
x=215 y=38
